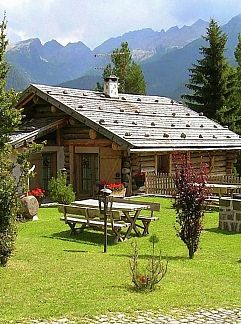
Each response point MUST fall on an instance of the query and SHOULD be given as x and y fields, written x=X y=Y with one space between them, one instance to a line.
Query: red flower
x=115 y=186
x=111 y=186
x=37 y=192
x=142 y=279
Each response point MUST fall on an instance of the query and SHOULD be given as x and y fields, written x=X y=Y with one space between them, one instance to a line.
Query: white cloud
x=94 y=21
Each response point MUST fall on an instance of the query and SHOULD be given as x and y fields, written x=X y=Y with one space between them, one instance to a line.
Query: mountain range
x=50 y=63
x=165 y=58
x=168 y=74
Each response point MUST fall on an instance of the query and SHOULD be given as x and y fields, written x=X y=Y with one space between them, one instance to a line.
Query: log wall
x=221 y=163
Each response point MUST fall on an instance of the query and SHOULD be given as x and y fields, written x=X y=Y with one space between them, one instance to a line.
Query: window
x=163 y=163
x=49 y=168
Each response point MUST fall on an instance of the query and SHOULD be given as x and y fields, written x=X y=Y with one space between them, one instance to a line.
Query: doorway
x=87 y=166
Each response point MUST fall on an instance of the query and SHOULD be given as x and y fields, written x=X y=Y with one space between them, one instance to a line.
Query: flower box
x=118 y=189
x=119 y=193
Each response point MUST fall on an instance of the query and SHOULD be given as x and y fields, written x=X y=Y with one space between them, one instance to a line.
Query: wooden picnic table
x=130 y=210
x=221 y=187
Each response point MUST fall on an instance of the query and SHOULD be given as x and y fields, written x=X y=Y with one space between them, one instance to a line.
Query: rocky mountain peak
x=32 y=43
x=53 y=45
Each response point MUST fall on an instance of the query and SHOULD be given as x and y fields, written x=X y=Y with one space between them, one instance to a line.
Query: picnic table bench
x=91 y=217
x=145 y=219
x=124 y=214
x=223 y=188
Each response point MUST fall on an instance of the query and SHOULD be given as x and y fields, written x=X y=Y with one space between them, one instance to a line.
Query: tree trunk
x=3 y=261
x=191 y=253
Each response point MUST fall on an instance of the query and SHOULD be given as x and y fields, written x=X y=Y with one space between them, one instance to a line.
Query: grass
x=53 y=274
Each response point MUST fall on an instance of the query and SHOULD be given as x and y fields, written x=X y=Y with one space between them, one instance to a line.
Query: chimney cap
x=111 y=78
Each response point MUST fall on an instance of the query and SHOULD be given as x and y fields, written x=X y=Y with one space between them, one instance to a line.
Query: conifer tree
x=131 y=79
x=211 y=79
x=9 y=119
x=231 y=112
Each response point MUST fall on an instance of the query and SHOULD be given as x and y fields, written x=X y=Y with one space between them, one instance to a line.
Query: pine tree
x=131 y=79
x=9 y=119
x=231 y=113
x=211 y=80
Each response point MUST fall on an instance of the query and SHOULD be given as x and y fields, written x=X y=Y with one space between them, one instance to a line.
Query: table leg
x=133 y=226
x=118 y=237
x=146 y=227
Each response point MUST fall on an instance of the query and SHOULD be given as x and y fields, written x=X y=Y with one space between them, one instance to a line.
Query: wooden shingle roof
x=140 y=122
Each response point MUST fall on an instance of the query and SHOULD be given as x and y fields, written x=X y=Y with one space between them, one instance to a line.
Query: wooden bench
x=91 y=217
x=145 y=219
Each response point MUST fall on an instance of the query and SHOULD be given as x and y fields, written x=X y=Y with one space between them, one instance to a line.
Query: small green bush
x=147 y=279
x=59 y=191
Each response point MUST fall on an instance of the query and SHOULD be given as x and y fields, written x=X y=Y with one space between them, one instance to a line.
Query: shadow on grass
x=148 y=256
x=220 y=231
x=131 y=289
x=85 y=237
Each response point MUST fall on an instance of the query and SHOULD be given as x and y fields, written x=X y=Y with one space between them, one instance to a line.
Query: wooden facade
x=220 y=163
x=89 y=161
x=102 y=139
x=90 y=158
x=87 y=156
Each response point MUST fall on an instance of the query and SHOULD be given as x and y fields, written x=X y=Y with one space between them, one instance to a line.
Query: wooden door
x=87 y=167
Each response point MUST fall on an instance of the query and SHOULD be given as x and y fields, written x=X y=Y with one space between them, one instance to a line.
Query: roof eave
x=31 y=136
x=26 y=95
x=172 y=149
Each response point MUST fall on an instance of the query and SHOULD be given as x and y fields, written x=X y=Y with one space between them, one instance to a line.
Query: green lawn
x=53 y=274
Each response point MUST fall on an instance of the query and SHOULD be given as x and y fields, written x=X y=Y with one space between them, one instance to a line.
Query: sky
x=94 y=21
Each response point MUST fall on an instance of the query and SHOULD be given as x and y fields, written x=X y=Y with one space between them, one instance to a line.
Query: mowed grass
x=53 y=274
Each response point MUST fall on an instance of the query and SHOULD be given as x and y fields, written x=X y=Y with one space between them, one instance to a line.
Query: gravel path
x=220 y=315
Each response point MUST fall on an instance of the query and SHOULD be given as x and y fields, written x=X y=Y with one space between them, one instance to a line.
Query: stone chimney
x=111 y=86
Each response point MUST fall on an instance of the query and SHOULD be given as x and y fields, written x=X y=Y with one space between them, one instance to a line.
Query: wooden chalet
x=116 y=137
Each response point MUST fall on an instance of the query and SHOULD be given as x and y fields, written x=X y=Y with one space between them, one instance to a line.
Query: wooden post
x=58 y=137
x=71 y=164
x=103 y=198
x=146 y=183
x=105 y=224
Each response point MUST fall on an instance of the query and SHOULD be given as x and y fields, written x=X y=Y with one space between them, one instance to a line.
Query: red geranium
x=112 y=186
x=115 y=186
x=37 y=192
